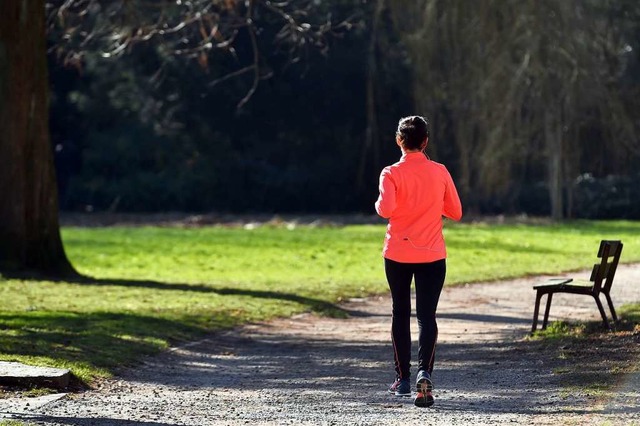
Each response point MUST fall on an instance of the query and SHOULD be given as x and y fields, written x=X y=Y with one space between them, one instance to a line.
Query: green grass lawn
x=158 y=286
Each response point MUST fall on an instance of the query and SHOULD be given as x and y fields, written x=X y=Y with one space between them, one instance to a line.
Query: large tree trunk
x=29 y=230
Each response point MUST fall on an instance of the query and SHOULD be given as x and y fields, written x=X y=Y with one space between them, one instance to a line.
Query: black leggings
x=429 y=279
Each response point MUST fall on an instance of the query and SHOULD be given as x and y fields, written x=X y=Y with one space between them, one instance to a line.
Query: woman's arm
x=386 y=203
x=452 y=205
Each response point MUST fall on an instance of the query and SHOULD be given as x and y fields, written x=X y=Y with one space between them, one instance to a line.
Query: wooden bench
x=600 y=282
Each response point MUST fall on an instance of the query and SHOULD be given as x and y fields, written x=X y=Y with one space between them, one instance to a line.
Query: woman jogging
x=415 y=193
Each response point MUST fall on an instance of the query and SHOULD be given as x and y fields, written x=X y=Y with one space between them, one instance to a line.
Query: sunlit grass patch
x=631 y=313
x=560 y=330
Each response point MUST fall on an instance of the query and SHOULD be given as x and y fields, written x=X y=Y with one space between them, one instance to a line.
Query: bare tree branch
x=256 y=58
x=194 y=29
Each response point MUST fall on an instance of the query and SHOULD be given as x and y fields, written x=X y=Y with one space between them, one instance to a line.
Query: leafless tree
x=510 y=84
x=196 y=30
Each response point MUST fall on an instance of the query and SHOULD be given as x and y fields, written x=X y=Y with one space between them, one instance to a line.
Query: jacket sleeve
x=386 y=203
x=452 y=205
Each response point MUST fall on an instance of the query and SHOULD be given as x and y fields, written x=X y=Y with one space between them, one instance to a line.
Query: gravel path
x=311 y=370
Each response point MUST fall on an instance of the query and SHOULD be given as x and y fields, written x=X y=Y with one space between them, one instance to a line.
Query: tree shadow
x=500 y=319
x=312 y=304
x=113 y=340
x=102 y=340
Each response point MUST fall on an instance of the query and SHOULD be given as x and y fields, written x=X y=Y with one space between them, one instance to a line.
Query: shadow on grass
x=98 y=340
x=314 y=305
x=91 y=341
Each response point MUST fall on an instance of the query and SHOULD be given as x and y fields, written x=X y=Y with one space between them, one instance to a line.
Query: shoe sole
x=424 y=397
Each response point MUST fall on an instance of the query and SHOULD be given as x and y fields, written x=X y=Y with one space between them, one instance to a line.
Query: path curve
x=313 y=370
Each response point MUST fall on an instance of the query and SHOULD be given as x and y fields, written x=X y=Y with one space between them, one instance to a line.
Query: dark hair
x=413 y=131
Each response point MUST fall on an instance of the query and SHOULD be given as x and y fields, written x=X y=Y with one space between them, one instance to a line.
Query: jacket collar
x=413 y=156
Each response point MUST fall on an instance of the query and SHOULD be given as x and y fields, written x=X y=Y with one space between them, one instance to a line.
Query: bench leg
x=546 y=312
x=601 y=309
x=536 y=311
x=613 y=311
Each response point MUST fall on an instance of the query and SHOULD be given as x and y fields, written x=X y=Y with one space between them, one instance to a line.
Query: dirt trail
x=311 y=370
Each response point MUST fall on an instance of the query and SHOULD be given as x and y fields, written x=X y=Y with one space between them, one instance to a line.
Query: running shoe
x=401 y=387
x=424 y=388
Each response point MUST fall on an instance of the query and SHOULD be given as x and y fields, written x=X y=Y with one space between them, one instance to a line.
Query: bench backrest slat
x=603 y=273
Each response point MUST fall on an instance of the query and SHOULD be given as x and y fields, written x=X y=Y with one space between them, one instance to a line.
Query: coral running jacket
x=415 y=193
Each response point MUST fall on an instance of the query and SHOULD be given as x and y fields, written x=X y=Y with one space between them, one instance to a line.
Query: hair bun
x=413 y=130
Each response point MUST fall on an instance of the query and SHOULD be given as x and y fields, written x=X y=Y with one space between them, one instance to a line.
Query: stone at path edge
x=16 y=373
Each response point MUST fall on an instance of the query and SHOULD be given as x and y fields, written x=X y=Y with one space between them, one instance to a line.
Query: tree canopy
x=532 y=104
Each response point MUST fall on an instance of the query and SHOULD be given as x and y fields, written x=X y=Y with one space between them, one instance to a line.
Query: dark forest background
x=534 y=108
